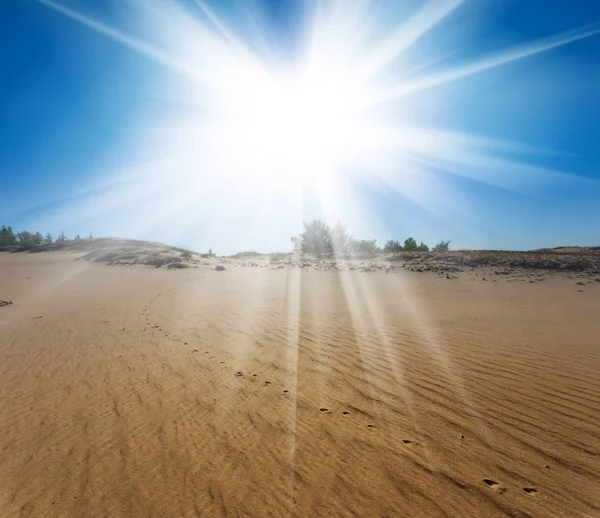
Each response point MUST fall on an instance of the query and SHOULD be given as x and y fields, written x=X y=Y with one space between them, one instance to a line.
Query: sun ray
x=150 y=51
x=261 y=128
x=502 y=58
x=408 y=34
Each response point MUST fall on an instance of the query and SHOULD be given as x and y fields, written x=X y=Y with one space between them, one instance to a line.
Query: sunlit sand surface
x=296 y=391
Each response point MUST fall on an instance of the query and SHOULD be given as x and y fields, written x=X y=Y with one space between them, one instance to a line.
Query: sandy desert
x=465 y=384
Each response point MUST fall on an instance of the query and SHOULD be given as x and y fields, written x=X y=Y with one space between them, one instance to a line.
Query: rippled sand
x=133 y=391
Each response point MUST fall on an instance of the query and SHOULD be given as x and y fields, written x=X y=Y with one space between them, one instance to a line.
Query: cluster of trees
x=8 y=237
x=319 y=238
x=410 y=245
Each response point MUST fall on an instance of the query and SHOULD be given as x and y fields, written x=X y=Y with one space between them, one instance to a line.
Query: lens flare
x=265 y=133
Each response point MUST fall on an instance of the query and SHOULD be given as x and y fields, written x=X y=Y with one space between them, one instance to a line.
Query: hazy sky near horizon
x=225 y=124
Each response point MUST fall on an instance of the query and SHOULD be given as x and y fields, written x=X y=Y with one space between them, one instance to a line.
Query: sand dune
x=304 y=389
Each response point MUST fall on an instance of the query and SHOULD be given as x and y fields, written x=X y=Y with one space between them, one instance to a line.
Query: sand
x=296 y=390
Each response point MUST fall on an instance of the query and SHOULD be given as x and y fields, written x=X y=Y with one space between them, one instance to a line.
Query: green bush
x=366 y=246
x=7 y=236
x=442 y=246
x=316 y=238
x=392 y=246
x=340 y=239
x=25 y=238
x=410 y=245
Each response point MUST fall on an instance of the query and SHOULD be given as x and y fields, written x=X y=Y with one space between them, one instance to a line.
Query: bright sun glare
x=295 y=122
x=258 y=118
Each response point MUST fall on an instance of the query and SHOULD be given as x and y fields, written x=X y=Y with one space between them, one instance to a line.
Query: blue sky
x=121 y=121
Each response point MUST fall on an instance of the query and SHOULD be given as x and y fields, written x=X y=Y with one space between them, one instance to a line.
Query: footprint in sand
x=267 y=382
x=491 y=483
x=406 y=441
x=238 y=374
x=324 y=410
x=345 y=413
x=285 y=391
x=371 y=426
x=530 y=490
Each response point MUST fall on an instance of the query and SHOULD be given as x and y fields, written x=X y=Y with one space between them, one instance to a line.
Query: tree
x=423 y=247
x=365 y=246
x=442 y=246
x=7 y=236
x=392 y=246
x=296 y=243
x=48 y=239
x=410 y=245
x=61 y=238
x=316 y=237
x=25 y=238
x=340 y=239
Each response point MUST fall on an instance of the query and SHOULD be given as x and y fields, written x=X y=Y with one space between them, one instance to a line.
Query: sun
x=358 y=105
x=306 y=122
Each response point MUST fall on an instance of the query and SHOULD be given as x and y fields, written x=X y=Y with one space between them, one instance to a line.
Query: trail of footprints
x=490 y=483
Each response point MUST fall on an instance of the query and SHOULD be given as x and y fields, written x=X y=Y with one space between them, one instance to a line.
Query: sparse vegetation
x=340 y=239
x=410 y=245
x=316 y=238
x=366 y=246
x=7 y=236
x=392 y=246
x=442 y=246
x=27 y=239
x=319 y=238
